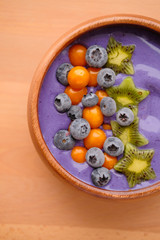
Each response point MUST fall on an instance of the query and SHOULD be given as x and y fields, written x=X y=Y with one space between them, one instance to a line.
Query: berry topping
x=62 y=102
x=96 y=56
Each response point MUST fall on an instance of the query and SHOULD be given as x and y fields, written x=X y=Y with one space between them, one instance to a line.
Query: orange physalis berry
x=78 y=77
x=93 y=115
x=109 y=161
x=93 y=72
x=75 y=95
x=106 y=126
x=101 y=94
x=96 y=138
x=78 y=154
x=77 y=55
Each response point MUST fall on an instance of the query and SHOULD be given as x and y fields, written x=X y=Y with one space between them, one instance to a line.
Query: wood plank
x=34 y=232
x=39 y=202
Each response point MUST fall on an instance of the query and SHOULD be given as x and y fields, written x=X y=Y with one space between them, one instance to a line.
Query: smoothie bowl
x=93 y=106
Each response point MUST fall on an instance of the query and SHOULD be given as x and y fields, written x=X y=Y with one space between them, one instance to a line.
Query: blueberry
x=106 y=78
x=62 y=102
x=100 y=176
x=63 y=140
x=79 y=128
x=74 y=112
x=125 y=116
x=96 y=56
x=95 y=157
x=89 y=100
x=113 y=146
x=62 y=73
x=108 y=106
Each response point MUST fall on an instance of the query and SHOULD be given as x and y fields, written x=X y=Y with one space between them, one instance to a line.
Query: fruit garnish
x=93 y=72
x=78 y=154
x=108 y=106
x=101 y=94
x=62 y=73
x=63 y=140
x=109 y=161
x=77 y=55
x=127 y=95
x=119 y=57
x=133 y=108
x=136 y=165
x=100 y=176
x=122 y=100
x=75 y=95
x=106 y=78
x=93 y=115
x=78 y=77
x=129 y=134
x=62 y=102
x=125 y=116
x=74 y=112
x=96 y=56
x=95 y=157
x=113 y=146
x=96 y=138
x=79 y=128
x=69 y=127
x=106 y=126
x=89 y=100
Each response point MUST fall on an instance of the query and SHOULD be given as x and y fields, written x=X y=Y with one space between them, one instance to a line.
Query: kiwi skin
x=136 y=165
x=119 y=57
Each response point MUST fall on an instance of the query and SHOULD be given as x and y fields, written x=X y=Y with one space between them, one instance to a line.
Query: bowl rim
x=35 y=87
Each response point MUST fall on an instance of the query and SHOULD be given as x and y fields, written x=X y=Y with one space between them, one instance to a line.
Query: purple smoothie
x=146 y=61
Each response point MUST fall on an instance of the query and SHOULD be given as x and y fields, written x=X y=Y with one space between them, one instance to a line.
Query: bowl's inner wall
x=146 y=61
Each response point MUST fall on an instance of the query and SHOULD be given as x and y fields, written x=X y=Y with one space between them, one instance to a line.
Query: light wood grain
x=30 y=193
x=34 y=232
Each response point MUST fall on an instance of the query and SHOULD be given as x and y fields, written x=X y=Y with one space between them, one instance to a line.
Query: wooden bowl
x=44 y=65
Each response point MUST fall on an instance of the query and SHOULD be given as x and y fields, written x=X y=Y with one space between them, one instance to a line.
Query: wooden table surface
x=34 y=202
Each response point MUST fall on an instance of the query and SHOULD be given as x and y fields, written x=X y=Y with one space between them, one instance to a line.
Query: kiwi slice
x=127 y=95
x=129 y=134
x=134 y=109
x=136 y=165
x=119 y=57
